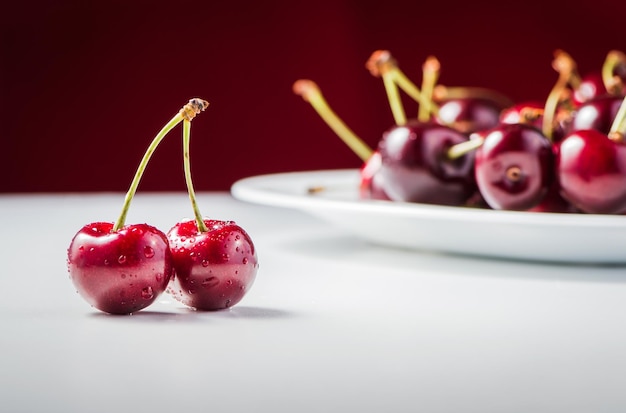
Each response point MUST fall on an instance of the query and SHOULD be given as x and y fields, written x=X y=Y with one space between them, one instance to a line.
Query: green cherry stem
x=618 y=128
x=189 y=110
x=613 y=83
x=187 y=165
x=566 y=68
x=311 y=93
x=430 y=77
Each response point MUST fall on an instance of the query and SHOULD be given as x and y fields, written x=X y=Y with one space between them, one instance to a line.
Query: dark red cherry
x=371 y=185
x=591 y=169
x=591 y=86
x=525 y=112
x=415 y=166
x=119 y=272
x=514 y=167
x=469 y=114
x=213 y=270
x=597 y=114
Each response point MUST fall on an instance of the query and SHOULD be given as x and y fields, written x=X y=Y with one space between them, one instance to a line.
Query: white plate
x=565 y=238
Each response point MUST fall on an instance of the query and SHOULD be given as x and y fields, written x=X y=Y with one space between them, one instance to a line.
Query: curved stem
x=187 y=166
x=312 y=94
x=566 y=67
x=142 y=166
x=430 y=76
x=612 y=82
x=618 y=127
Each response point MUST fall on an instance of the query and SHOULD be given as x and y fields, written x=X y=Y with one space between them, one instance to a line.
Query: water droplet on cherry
x=205 y=263
x=147 y=293
x=121 y=259
x=244 y=260
x=148 y=252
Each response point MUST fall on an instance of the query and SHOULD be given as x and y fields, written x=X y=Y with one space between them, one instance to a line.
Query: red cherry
x=213 y=269
x=215 y=262
x=470 y=114
x=591 y=169
x=119 y=272
x=590 y=87
x=415 y=166
x=597 y=114
x=514 y=167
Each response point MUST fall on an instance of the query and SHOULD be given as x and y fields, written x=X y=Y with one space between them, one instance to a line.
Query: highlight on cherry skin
x=214 y=269
x=119 y=272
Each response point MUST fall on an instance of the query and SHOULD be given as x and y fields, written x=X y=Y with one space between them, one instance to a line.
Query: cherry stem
x=612 y=82
x=382 y=64
x=442 y=92
x=188 y=111
x=430 y=76
x=311 y=93
x=187 y=166
x=618 y=127
x=566 y=67
x=463 y=148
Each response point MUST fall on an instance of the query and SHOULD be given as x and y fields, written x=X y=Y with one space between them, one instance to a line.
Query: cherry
x=215 y=262
x=514 y=167
x=530 y=112
x=597 y=113
x=118 y=268
x=416 y=166
x=122 y=271
x=591 y=168
x=469 y=109
x=611 y=80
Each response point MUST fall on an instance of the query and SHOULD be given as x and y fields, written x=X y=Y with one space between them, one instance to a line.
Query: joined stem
x=382 y=64
x=188 y=111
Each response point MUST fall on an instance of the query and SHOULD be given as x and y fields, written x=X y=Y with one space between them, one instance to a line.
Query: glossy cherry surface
x=470 y=114
x=213 y=270
x=119 y=272
x=415 y=167
x=514 y=167
x=591 y=86
x=591 y=169
x=597 y=114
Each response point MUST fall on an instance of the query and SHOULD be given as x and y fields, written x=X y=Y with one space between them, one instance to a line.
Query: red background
x=85 y=86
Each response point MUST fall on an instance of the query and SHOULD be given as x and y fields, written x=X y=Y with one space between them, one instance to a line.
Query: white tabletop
x=332 y=324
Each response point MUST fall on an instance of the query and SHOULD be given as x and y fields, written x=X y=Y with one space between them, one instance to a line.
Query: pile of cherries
x=475 y=147
x=206 y=264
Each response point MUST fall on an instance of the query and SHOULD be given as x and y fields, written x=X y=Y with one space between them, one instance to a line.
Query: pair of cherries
x=205 y=264
x=479 y=146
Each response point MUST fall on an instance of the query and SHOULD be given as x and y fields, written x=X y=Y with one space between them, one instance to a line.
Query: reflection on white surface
x=333 y=323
